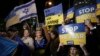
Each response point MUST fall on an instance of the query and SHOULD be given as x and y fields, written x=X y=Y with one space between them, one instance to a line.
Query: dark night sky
x=7 y=5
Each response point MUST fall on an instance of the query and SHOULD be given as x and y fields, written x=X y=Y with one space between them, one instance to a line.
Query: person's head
x=73 y=51
x=12 y=32
x=26 y=33
x=38 y=32
x=53 y=34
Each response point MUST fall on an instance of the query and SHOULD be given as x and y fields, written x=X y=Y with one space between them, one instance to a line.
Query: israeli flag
x=25 y=11
x=21 y=13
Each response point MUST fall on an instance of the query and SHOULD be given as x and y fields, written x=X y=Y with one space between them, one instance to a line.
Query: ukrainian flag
x=70 y=13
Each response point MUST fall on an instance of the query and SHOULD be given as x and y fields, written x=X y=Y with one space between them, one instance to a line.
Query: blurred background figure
x=22 y=49
x=7 y=46
x=27 y=39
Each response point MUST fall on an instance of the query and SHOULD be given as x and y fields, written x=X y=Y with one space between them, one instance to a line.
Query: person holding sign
x=95 y=36
x=53 y=42
x=73 y=50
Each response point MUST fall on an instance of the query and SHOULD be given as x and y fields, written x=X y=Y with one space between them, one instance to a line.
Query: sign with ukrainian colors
x=54 y=15
x=98 y=7
x=86 y=12
x=70 y=13
x=72 y=34
x=98 y=3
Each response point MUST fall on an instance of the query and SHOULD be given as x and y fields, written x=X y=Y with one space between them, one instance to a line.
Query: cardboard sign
x=72 y=34
x=86 y=12
x=54 y=15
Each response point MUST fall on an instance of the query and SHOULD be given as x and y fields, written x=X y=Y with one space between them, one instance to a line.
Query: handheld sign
x=70 y=13
x=86 y=12
x=54 y=15
x=98 y=7
x=98 y=3
x=72 y=34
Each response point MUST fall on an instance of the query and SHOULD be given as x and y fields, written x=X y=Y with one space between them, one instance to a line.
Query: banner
x=86 y=12
x=72 y=34
x=54 y=15
x=70 y=13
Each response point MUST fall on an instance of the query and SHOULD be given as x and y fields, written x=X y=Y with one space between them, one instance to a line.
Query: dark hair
x=13 y=29
x=77 y=47
x=55 y=33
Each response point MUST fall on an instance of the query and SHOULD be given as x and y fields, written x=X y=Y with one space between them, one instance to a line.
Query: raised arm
x=46 y=33
x=84 y=50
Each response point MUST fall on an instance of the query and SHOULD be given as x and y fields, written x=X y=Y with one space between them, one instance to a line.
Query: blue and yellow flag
x=54 y=15
x=72 y=34
x=70 y=13
x=98 y=7
x=98 y=3
x=85 y=12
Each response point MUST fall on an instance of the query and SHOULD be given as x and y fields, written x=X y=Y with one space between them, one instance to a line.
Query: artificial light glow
x=50 y=3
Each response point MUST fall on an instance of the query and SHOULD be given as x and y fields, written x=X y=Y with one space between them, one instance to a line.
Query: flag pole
x=37 y=21
x=69 y=4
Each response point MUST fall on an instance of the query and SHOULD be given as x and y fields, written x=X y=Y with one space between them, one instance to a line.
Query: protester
x=27 y=39
x=53 y=44
x=75 y=52
x=22 y=49
x=7 y=46
x=40 y=42
x=95 y=37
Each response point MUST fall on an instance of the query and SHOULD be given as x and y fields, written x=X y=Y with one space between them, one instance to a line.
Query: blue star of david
x=26 y=10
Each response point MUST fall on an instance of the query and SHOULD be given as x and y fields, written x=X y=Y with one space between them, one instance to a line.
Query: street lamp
x=50 y=3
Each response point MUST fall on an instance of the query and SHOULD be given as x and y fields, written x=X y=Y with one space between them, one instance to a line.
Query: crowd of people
x=44 y=42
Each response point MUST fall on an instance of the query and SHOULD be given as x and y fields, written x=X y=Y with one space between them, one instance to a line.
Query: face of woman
x=52 y=35
x=38 y=34
x=26 y=33
x=73 y=50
